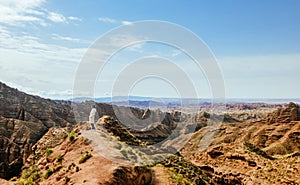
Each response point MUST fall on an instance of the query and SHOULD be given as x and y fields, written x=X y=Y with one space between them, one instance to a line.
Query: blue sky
x=256 y=43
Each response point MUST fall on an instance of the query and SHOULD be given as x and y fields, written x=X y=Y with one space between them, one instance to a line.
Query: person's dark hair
x=93 y=106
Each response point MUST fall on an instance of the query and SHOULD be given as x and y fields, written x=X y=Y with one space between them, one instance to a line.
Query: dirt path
x=161 y=176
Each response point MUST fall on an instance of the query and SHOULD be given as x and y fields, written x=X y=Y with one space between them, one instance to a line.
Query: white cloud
x=106 y=19
x=56 y=17
x=72 y=18
x=70 y=39
x=110 y=20
x=29 y=62
x=32 y=45
x=15 y=12
x=57 y=94
x=127 y=23
x=59 y=37
x=19 y=13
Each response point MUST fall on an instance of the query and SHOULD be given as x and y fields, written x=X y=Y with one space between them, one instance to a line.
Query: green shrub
x=178 y=178
x=85 y=157
x=269 y=169
x=48 y=152
x=77 y=169
x=57 y=168
x=159 y=165
x=25 y=182
x=67 y=179
x=71 y=165
x=72 y=136
x=48 y=173
x=59 y=158
x=30 y=176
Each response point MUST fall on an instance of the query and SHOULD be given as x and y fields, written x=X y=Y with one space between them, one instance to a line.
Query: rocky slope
x=253 y=145
x=62 y=157
x=258 y=152
x=24 y=119
x=16 y=140
x=18 y=105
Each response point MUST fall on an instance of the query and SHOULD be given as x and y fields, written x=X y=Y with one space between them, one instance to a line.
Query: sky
x=256 y=44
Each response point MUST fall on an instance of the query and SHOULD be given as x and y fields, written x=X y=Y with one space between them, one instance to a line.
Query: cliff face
x=24 y=119
x=18 y=105
x=16 y=140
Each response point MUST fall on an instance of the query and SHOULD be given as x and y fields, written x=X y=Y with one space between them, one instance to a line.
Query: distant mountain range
x=141 y=101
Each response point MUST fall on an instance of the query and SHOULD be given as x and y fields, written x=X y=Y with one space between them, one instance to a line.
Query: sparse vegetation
x=184 y=172
x=59 y=158
x=48 y=152
x=85 y=157
x=72 y=136
x=86 y=140
x=48 y=173
x=30 y=176
x=71 y=165
x=179 y=179
x=159 y=165
x=257 y=150
x=254 y=159
x=269 y=169
x=57 y=168
x=67 y=179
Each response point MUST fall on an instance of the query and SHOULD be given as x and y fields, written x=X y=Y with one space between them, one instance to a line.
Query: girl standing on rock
x=92 y=116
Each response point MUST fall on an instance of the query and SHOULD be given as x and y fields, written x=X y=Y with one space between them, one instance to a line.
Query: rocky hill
x=255 y=152
x=24 y=119
x=16 y=140
x=63 y=157
x=18 y=105
x=68 y=157
x=284 y=115
x=50 y=142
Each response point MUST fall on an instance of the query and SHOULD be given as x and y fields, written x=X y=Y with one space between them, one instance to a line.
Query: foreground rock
x=73 y=160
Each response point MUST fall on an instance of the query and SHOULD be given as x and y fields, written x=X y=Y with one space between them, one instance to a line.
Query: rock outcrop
x=73 y=160
x=285 y=115
x=18 y=105
x=24 y=119
x=16 y=140
x=256 y=152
